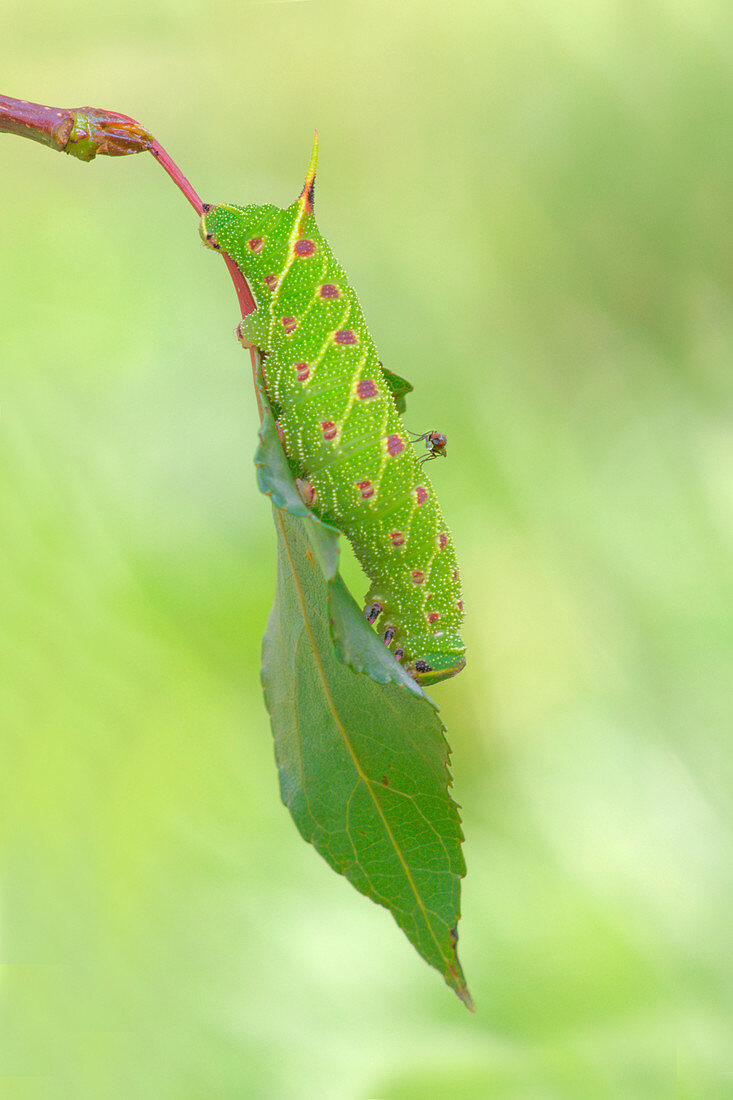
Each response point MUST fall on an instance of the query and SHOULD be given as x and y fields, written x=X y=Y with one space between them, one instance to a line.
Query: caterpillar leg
x=281 y=435
x=253 y=329
x=306 y=492
x=434 y=667
x=373 y=611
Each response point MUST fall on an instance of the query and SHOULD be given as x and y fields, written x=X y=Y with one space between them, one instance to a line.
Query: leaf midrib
x=351 y=752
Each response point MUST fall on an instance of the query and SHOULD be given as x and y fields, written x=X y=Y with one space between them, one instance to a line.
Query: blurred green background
x=534 y=202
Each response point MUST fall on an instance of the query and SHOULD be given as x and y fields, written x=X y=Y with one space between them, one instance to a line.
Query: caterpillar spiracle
x=340 y=428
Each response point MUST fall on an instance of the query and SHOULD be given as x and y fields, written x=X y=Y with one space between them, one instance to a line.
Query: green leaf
x=361 y=751
x=399 y=386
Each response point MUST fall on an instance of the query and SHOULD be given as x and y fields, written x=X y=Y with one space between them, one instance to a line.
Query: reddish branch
x=84 y=132
x=80 y=131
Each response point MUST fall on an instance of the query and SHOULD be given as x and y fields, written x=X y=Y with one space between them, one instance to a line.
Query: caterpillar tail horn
x=306 y=195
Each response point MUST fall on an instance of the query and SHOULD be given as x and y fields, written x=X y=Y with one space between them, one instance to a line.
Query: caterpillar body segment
x=338 y=420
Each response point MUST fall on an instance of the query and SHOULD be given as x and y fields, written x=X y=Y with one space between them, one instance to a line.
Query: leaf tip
x=457 y=982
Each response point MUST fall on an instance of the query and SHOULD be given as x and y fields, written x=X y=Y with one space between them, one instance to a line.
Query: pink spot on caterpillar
x=302 y=371
x=433 y=617
x=289 y=324
x=398 y=539
x=255 y=244
x=442 y=540
x=459 y=605
x=329 y=429
x=329 y=290
x=270 y=281
x=417 y=576
x=304 y=247
x=455 y=574
x=395 y=444
x=366 y=388
x=345 y=336
x=421 y=494
x=366 y=488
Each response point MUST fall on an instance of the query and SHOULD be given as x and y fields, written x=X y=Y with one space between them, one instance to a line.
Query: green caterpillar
x=338 y=420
